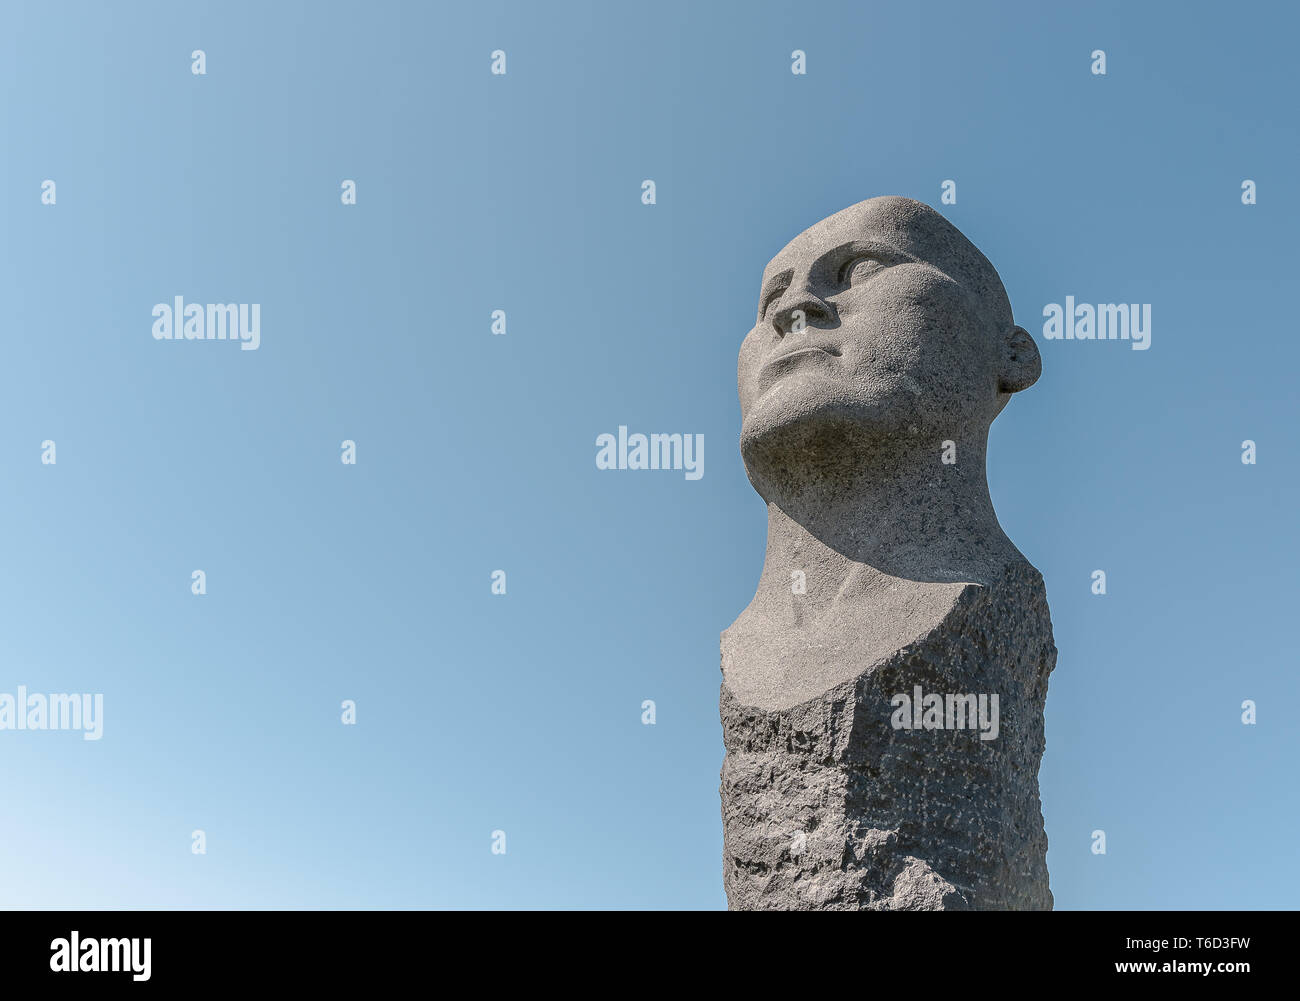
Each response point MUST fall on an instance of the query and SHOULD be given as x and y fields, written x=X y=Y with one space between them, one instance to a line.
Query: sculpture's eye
x=859 y=269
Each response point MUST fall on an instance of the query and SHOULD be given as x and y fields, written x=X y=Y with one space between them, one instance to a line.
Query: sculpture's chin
x=785 y=449
x=808 y=404
x=822 y=416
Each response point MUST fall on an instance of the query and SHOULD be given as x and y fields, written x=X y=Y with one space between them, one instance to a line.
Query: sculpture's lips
x=775 y=368
x=799 y=353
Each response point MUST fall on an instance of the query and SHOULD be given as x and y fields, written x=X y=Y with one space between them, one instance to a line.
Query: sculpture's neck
x=883 y=510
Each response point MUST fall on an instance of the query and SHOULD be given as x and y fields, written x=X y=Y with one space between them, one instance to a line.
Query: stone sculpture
x=882 y=696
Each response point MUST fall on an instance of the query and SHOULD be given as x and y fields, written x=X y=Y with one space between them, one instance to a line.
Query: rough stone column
x=826 y=805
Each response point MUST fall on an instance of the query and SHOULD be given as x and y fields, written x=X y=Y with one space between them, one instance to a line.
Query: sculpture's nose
x=800 y=305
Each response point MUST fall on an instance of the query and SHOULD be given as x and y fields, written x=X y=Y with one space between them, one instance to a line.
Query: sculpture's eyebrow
x=778 y=282
x=828 y=261
x=836 y=257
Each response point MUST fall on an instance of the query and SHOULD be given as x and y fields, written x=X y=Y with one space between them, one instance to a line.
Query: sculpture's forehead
x=907 y=227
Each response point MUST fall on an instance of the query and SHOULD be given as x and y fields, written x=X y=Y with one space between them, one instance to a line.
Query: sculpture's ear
x=1022 y=364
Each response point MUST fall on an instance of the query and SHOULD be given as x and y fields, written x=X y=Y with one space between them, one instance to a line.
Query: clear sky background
x=476 y=452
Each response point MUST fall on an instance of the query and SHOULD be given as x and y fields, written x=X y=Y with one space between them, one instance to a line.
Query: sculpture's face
x=882 y=317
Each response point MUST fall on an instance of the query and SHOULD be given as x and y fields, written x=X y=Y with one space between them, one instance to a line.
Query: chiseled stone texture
x=896 y=819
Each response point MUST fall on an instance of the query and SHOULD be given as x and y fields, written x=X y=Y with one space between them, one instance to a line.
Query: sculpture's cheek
x=915 y=328
x=752 y=352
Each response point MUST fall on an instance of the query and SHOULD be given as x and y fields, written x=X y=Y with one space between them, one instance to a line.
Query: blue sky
x=475 y=452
